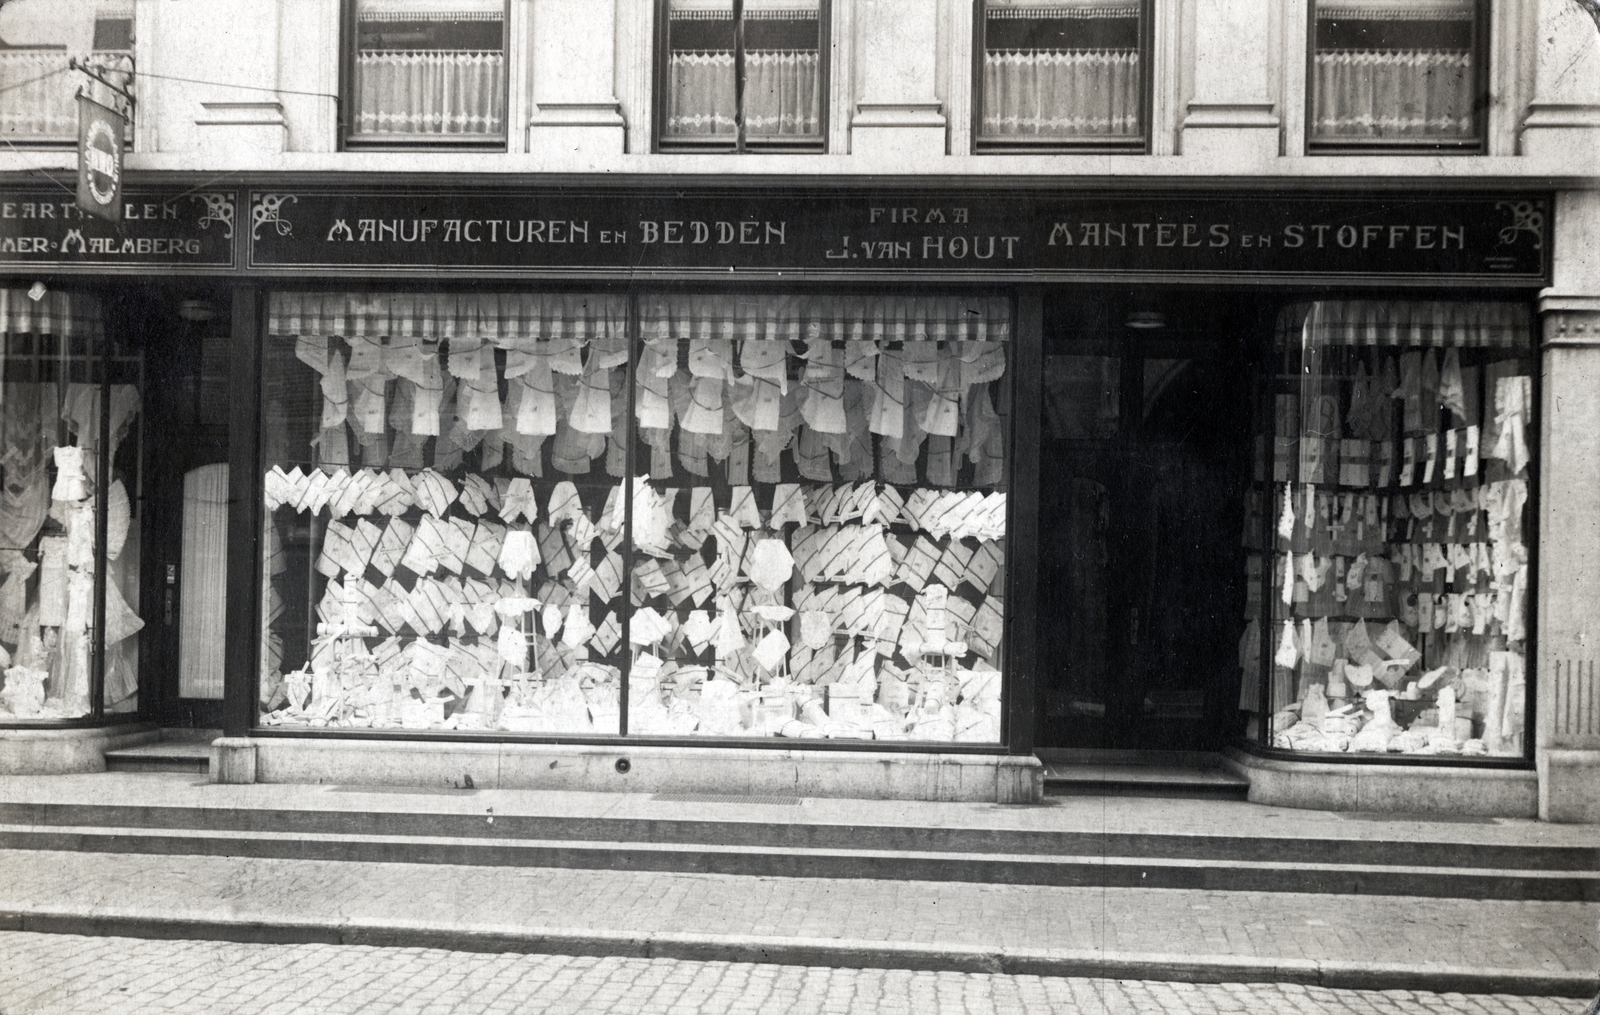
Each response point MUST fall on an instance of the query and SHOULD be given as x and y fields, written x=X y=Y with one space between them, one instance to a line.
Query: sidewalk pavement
x=55 y=974
x=1346 y=941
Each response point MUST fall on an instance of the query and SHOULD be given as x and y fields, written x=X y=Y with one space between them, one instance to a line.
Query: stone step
x=1103 y=869
x=1143 y=780
x=162 y=756
x=799 y=831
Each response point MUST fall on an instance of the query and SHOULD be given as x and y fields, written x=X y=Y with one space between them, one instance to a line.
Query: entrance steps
x=1173 y=774
x=1217 y=845
x=178 y=750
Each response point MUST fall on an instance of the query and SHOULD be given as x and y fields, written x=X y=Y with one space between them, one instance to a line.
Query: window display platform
x=68 y=751
x=1510 y=792
x=966 y=778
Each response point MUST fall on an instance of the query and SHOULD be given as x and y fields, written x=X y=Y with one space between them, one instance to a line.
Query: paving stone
x=59 y=974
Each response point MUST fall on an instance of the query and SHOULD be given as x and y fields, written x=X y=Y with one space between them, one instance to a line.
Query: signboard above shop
x=180 y=228
x=899 y=233
x=1482 y=239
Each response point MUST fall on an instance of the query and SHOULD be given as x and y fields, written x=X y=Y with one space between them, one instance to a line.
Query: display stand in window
x=426 y=72
x=742 y=75
x=1397 y=74
x=1062 y=74
x=1392 y=542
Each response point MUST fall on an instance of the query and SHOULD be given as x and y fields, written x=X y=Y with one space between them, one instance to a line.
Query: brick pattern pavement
x=52 y=974
x=1542 y=937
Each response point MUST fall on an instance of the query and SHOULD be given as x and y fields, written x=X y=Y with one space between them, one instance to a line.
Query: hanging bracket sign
x=100 y=133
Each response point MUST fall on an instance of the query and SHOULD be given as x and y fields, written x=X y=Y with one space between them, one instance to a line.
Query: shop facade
x=877 y=490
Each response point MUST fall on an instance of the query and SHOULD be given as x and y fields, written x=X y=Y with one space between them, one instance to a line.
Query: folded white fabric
x=434 y=493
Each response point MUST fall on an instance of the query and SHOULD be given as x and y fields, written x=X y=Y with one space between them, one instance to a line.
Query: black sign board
x=157 y=229
x=100 y=131
x=1498 y=237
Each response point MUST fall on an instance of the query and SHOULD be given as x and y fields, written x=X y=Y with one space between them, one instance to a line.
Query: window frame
x=80 y=81
x=350 y=140
x=1476 y=145
x=985 y=145
x=739 y=144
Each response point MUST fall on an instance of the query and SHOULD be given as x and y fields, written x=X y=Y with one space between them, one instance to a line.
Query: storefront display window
x=438 y=467
x=804 y=499
x=820 y=548
x=70 y=428
x=1392 y=545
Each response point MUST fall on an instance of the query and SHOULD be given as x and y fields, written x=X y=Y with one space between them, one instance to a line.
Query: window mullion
x=738 y=75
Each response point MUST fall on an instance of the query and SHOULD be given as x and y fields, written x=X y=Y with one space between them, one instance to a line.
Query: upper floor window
x=742 y=74
x=1397 y=73
x=427 y=72
x=37 y=39
x=1062 y=73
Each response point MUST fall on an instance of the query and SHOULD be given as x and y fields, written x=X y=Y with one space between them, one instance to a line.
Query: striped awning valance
x=493 y=317
x=827 y=317
x=1461 y=324
x=64 y=314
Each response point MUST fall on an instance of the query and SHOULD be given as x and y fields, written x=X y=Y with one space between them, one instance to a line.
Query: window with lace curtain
x=426 y=72
x=37 y=88
x=1397 y=73
x=1061 y=73
x=742 y=74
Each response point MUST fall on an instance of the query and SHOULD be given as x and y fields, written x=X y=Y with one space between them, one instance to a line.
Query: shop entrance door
x=1144 y=465
x=183 y=334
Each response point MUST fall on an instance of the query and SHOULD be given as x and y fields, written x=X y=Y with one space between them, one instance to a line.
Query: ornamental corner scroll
x=218 y=208
x=1526 y=216
x=267 y=211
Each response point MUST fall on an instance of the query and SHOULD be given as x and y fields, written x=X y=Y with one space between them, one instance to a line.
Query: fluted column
x=1567 y=734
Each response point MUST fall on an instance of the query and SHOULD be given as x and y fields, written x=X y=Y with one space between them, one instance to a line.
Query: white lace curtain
x=782 y=94
x=430 y=92
x=38 y=92
x=1394 y=93
x=1061 y=93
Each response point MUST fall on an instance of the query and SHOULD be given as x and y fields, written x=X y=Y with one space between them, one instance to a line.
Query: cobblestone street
x=52 y=974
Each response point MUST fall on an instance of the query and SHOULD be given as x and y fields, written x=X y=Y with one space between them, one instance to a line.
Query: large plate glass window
x=819 y=544
x=742 y=74
x=427 y=72
x=1398 y=73
x=37 y=89
x=766 y=516
x=1062 y=73
x=442 y=544
x=70 y=427
x=1393 y=541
